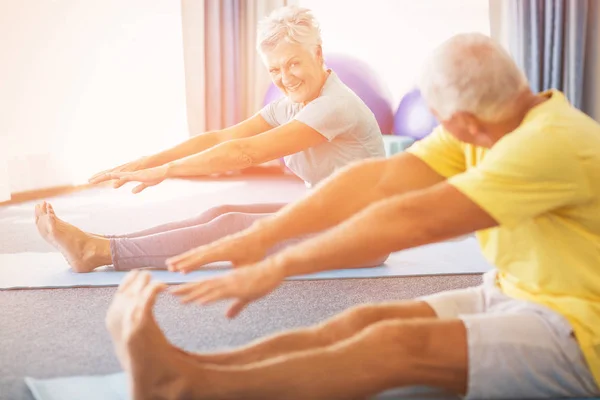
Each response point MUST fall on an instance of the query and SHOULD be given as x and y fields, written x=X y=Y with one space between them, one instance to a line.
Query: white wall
x=87 y=84
x=395 y=36
x=4 y=181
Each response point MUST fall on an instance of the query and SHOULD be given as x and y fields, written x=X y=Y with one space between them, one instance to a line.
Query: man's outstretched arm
x=331 y=202
x=400 y=222
x=346 y=193
x=403 y=221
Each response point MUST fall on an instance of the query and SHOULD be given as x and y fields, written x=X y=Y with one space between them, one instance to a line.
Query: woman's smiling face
x=296 y=70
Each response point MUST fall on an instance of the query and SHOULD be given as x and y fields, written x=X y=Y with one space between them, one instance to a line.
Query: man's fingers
x=186 y=288
x=198 y=296
x=202 y=292
x=128 y=280
x=205 y=291
x=141 y=281
x=236 y=308
x=186 y=263
x=150 y=294
x=181 y=257
x=196 y=258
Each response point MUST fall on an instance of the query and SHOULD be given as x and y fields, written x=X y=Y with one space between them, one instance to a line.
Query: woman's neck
x=324 y=76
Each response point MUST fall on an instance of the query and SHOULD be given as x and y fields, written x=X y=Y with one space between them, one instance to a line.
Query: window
x=395 y=36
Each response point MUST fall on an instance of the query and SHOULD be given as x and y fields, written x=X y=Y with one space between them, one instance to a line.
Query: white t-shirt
x=339 y=115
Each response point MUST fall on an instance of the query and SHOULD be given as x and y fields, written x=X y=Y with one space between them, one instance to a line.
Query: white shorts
x=516 y=349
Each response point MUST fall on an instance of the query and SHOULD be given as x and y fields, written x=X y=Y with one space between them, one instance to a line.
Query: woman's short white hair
x=292 y=24
x=472 y=73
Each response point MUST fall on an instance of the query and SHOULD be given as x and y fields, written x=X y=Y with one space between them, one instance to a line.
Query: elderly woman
x=319 y=126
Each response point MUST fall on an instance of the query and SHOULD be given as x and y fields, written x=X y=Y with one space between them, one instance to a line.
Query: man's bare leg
x=428 y=351
x=338 y=328
x=385 y=355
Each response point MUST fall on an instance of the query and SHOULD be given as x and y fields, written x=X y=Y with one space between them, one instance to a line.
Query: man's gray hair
x=471 y=73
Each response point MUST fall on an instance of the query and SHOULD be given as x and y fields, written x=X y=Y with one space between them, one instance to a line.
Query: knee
x=378 y=261
x=350 y=321
x=410 y=338
x=361 y=315
x=221 y=209
x=235 y=219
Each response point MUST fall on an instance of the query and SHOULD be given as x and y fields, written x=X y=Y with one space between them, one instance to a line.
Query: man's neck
x=523 y=104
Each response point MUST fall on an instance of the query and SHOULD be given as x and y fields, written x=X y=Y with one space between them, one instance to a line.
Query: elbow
x=423 y=224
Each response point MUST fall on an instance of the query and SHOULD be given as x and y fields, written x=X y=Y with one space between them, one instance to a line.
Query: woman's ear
x=319 y=54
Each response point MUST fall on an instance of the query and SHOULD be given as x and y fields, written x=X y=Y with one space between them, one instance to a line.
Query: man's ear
x=471 y=123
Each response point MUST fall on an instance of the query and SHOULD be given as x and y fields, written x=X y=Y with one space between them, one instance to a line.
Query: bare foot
x=83 y=252
x=155 y=367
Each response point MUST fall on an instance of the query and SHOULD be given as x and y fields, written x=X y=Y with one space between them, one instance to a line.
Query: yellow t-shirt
x=541 y=183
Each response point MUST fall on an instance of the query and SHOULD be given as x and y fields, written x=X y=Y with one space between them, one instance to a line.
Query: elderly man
x=520 y=169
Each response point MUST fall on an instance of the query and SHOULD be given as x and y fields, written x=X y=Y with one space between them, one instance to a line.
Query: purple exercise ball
x=363 y=80
x=413 y=117
x=273 y=93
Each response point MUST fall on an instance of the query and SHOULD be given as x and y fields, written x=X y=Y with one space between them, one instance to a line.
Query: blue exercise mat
x=50 y=270
x=96 y=387
x=115 y=387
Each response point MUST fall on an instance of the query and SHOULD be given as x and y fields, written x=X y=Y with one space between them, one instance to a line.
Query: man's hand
x=244 y=285
x=242 y=248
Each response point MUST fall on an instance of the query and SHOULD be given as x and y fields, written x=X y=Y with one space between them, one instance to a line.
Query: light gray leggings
x=152 y=247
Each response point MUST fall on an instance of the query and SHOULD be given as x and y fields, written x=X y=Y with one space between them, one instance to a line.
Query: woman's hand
x=147 y=177
x=136 y=165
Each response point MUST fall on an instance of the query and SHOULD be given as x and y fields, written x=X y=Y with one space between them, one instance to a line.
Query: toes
x=42 y=208
x=50 y=208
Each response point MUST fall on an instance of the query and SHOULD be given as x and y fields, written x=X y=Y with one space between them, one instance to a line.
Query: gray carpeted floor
x=58 y=332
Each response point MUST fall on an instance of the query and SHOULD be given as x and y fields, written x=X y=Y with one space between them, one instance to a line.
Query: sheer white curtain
x=226 y=80
x=499 y=21
x=85 y=85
